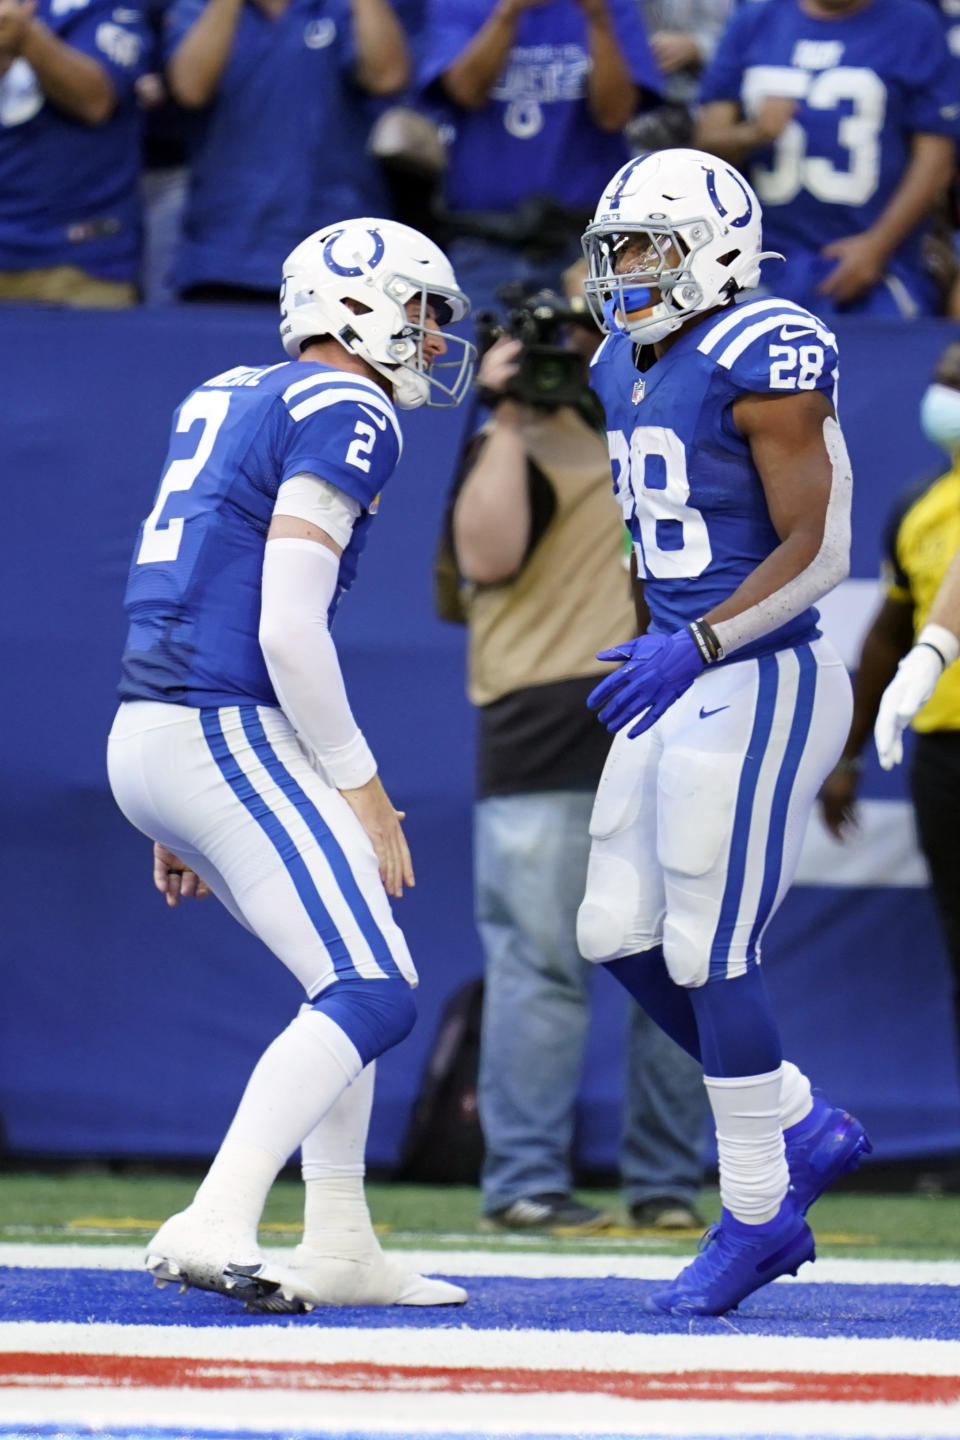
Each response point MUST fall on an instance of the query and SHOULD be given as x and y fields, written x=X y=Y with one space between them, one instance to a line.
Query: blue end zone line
x=595 y=1306
x=74 y=1432
x=183 y=1432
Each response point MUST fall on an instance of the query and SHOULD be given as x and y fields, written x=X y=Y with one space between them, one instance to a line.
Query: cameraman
x=536 y=535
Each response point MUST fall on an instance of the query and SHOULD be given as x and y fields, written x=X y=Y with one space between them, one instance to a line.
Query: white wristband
x=939 y=638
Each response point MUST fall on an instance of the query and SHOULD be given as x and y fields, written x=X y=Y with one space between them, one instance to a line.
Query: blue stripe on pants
x=796 y=744
x=321 y=832
x=737 y=860
x=281 y=841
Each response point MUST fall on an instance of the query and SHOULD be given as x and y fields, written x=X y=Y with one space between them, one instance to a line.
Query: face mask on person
x=940 y=416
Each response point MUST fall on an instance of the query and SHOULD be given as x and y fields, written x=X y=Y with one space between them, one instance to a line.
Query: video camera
x=550 y=375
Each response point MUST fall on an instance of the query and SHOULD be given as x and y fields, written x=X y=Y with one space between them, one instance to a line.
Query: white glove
x=910 y=689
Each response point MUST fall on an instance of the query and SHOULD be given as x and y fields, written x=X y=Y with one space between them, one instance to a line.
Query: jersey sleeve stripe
x=313 y=403
x=335 y=377
x=739 y=314
x=770 y=322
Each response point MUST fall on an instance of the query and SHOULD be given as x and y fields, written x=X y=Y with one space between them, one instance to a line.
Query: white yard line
x=602 y=1351
x=521 y=1266
x=325 y=1413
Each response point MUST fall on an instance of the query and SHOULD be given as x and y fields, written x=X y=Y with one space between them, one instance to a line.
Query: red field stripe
x=48 y=1371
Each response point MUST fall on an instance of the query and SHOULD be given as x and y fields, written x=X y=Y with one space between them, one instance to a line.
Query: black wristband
x=705 y=639
x=929 y=645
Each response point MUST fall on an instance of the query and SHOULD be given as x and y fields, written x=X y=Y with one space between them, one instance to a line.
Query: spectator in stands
x=283 y=144
x=165 y=175
x=683 y=36
x=538 y=536
x=844 y=115
x=539 y=91
x=922 y=537
x=69 y=151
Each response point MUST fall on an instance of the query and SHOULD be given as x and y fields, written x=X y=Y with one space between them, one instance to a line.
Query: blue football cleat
x=735 y=1259
x=820 y=1148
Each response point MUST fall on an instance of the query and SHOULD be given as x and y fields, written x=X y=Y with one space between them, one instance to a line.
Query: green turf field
x=92 y=1204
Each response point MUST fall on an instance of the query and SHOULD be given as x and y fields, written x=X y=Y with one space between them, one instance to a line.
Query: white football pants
x=698 y=823
x=231 y=792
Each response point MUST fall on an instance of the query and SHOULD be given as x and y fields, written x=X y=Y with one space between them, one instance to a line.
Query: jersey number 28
x=652 y=485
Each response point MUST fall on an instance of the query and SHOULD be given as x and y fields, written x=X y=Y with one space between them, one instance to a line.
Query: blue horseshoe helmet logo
x=352 y=272
x=722 y=211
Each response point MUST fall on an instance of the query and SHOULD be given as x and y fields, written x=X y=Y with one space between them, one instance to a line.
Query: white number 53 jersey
x=683 y=474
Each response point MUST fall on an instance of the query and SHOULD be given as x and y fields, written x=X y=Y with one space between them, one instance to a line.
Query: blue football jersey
x=193 y=594
x=535 y=132
x=864 y=84
x=683 y=474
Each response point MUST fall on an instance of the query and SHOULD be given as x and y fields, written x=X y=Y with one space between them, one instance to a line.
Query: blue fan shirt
x=68 y=190
x=535 y=134
x=281 y=149
x=193 y=594
x=683 y=474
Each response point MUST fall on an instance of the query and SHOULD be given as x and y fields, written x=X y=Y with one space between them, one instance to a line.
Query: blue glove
x=656 y=670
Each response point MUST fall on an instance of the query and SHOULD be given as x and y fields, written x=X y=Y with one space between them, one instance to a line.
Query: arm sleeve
x=827 y=568
x=307 y=497
x=779 y=353
x=299 y=583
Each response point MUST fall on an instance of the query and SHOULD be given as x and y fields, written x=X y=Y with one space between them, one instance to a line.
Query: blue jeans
x=530 y=867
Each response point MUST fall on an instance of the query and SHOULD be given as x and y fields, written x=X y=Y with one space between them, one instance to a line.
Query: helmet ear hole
x=728 y=258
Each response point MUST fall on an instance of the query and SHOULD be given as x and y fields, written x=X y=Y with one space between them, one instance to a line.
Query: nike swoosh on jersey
x=705 y=713
x=792 y=332
x=379 y=420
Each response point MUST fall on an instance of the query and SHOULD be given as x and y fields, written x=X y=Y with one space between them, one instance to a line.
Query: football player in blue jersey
x=844 y=114
x=734 y=481
x=236 y=751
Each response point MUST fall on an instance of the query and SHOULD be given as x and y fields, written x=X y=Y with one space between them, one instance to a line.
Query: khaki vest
x=572 y=597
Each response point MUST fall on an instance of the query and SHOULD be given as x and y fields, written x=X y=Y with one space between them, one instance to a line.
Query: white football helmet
x=688 y=226
x=380 y=266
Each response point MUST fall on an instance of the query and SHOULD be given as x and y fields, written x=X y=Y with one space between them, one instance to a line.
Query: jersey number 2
x=162 y=542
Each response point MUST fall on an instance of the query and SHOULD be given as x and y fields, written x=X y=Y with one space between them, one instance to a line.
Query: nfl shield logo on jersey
x=638 y=390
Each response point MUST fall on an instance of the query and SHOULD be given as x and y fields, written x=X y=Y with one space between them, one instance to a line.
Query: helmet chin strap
x=654 y=327
x=410 y=388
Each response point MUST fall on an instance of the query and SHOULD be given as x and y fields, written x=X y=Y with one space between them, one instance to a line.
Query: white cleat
x=206 y=1252
x=309 y=1279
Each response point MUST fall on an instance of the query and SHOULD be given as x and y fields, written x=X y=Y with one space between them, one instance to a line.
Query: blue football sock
x=646 y=978
x=738 y=1034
